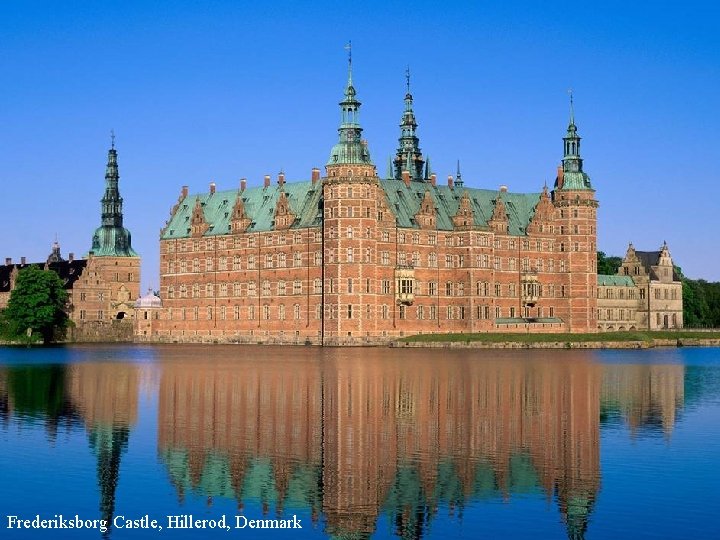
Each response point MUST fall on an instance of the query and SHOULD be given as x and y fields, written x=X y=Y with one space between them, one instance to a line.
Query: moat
x=359 y=443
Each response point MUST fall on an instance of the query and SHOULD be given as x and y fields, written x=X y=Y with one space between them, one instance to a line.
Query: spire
x=111 y=238
x=389 y=173
x=408 y=156
x=458 y=176
x=350 y=148
x=572 y=173
x=55 y=253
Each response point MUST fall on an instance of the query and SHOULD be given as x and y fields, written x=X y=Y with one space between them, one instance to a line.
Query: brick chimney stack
x=433 y=179
x=212 y=188
x=243 y=184
x=560 y=176
x=406 y=178
x=281 y=178
x=71 y=257
x=315 y=175
x=266 y=181
x=450 y=181
x=8 y=261
x=184 y=192
x=22 y=261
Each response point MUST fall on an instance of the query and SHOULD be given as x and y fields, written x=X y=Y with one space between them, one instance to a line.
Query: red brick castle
x=349 y=257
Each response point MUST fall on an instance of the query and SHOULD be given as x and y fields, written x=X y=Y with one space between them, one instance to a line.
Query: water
x=357 y=443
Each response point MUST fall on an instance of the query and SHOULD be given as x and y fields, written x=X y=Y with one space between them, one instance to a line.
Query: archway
x=120 y=316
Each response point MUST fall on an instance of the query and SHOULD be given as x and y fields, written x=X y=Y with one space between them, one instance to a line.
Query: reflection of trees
x=400 y=436
x=39 y=393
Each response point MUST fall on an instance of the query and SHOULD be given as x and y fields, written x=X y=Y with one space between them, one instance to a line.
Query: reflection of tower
x=107 y=398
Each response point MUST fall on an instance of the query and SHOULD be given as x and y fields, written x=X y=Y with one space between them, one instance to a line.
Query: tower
x=408 y=157
x=112 y=278
x=576 y=210
x=350 y=200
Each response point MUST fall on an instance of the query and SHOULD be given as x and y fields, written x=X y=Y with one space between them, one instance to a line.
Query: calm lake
x=359 y=443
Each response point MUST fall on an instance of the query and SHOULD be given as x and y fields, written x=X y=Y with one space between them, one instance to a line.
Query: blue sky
x=201 y=91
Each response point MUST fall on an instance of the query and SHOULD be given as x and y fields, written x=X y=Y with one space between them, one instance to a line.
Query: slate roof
x=304 y=199
x=651 y=258
x=69 y=272
x=614 y=281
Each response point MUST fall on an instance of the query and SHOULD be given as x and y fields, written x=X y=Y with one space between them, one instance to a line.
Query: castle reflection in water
x=353 y=434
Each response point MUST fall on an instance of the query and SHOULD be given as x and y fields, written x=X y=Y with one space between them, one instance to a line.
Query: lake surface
x=359 y=443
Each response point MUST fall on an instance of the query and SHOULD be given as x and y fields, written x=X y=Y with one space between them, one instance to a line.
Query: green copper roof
x=304 y=199
x=615 y=281
x=576 y=181
x=405 y=202
x=259 y=202
x=112 y=242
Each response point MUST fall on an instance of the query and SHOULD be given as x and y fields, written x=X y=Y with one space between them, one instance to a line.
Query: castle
x=103 y=286
x=350 y=258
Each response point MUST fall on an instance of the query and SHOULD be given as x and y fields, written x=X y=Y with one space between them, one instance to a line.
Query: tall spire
x=111 y=238
x=573 y=176
x=458 y=176
x=408 y=156
x=350 y=148
x=572 y=162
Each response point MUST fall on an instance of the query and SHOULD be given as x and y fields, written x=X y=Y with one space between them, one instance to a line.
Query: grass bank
x=636 y=336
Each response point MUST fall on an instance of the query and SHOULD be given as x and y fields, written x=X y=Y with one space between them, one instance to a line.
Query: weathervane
x=572 y=107
x=112 y=139
x=407 y=78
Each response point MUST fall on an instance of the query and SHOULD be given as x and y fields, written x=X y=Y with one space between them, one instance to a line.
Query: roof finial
x=348 y=48
x=458 y=169
x=572 y=107
x=407 y=78
x=112 y=139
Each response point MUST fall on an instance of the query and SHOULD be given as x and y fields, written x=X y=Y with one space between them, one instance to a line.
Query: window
x=349 y=311
x=296 y=312
x=350 y=232
x=448 y=288
x=402 y=312
x=236 y=312
x=385 y=258
x=385 y=286
x=281 y=288
x=251 y=262
x=432 y=288
x=266 y=288
x=266 y=312
x=350 y=255
x=281 y=312
x=317 y=286
x=318 y=258
x=432 y=260
x=236 y=263
x=349 y=285
x=282 y=258
x=297 y=287
x=385 y=312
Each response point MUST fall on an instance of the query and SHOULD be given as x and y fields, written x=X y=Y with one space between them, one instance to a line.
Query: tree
x=36 y=307
x=608 y=264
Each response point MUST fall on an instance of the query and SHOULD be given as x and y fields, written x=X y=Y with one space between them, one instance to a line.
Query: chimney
x=560 y=176
x=8 y=261
x=184 y=192
x=281 y=178
x=212 y=188
x=406 y=178
x=315 y=175
x=71 y=257
x=266 y=181
x=243 y=184
x=450 y=181
x=503 y=189
x=433 y=179
x=22 y=261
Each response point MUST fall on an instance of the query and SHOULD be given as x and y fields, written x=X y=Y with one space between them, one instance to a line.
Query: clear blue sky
x=201 y=91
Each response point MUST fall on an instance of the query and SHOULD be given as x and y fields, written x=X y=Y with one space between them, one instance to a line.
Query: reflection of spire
x=109 y=442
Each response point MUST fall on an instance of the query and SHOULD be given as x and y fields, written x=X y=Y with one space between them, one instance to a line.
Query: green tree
x=608 y=264
x=36 y=308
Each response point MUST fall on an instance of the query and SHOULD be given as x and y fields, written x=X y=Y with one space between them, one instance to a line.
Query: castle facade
x=349 y=257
